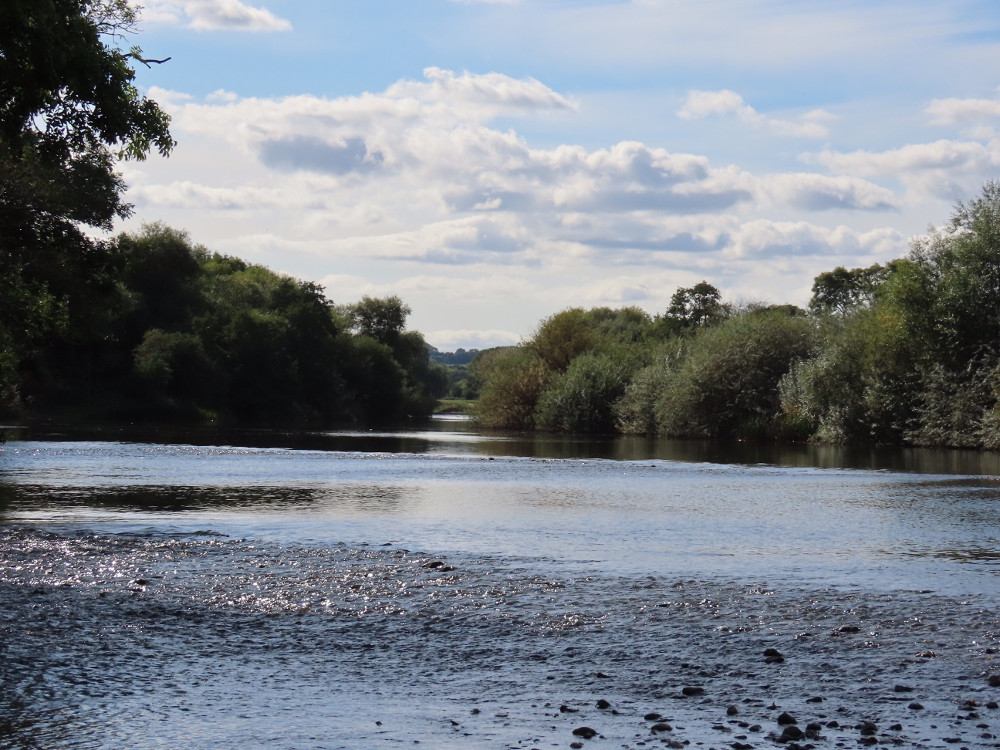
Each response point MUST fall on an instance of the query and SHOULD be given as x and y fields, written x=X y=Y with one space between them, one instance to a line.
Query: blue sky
x=495 y=162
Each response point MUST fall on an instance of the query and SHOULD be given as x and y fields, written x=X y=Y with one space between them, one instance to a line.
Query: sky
x=493 y=162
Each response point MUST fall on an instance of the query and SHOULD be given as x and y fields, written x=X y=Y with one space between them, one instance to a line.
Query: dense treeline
x=906 y=352
x=148 y=326
x=169 y=330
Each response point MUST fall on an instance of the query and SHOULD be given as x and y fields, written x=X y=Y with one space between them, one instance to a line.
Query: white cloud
x=213 y=15
x=814 y=192
x=414 y=191
x=491 y=93
x=700 y=104
x=763 y=238
x=940 y=155
x=417 y=174
x=960 y=111
x=943 y=170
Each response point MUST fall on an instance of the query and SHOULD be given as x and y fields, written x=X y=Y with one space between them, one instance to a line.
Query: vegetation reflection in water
x=459 y=435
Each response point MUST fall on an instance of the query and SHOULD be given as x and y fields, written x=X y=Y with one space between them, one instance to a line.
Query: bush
x=863 y=382
x=954 y=409
x=727 y=385
x=635 y=411
x=582 y=399
x=512 y=381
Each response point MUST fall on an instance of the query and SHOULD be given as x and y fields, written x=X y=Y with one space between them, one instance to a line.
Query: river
x=440 y=587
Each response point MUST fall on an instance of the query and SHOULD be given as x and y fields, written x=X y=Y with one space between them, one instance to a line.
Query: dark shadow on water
x=182 y=499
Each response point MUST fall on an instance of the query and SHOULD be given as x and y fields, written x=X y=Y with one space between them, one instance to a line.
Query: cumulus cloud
x=304 y=153
x=939 y=155
x=814 y=192
x=701 y=104
x=213 y=15
x=763 y=238
x=962 y=111
x=945 y=169
x=491 y=93
x=418 y=176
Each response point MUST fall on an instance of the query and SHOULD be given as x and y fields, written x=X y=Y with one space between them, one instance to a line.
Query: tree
x=563 y=337
x=381 y=319
x=691 y=308
x=841 y=290
x=68 y=112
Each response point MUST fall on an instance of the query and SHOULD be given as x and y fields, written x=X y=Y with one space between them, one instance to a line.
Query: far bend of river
x=450 y=589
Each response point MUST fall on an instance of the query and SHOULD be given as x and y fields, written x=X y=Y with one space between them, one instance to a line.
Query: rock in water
x=791 y=733
x=586 y=732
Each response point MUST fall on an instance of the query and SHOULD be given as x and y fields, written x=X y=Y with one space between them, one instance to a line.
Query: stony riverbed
x=201 y=640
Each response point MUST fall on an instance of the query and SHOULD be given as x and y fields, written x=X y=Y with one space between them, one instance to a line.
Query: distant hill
x=457 y=357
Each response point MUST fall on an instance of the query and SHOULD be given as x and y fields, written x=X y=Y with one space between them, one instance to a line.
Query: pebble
x=585 y=732
x=773 y=656
x=867 y=727
x=661 y=727
x=791 y=733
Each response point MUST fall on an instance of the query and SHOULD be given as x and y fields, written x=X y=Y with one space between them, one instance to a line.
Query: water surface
x=440 y=586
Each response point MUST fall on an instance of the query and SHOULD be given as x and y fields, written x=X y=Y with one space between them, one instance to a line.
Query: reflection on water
x=457 y=435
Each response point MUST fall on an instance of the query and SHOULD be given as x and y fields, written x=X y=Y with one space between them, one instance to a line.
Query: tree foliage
x=694 y=307
x=920 y=364
x=726 y=385
x=841 y=290
x=183 y=333
x=68 y=112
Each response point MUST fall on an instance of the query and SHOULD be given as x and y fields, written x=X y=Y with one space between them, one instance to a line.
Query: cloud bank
x=419 y=178
x=214 y=15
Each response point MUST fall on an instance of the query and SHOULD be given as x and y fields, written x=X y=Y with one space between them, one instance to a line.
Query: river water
x=450 y=589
